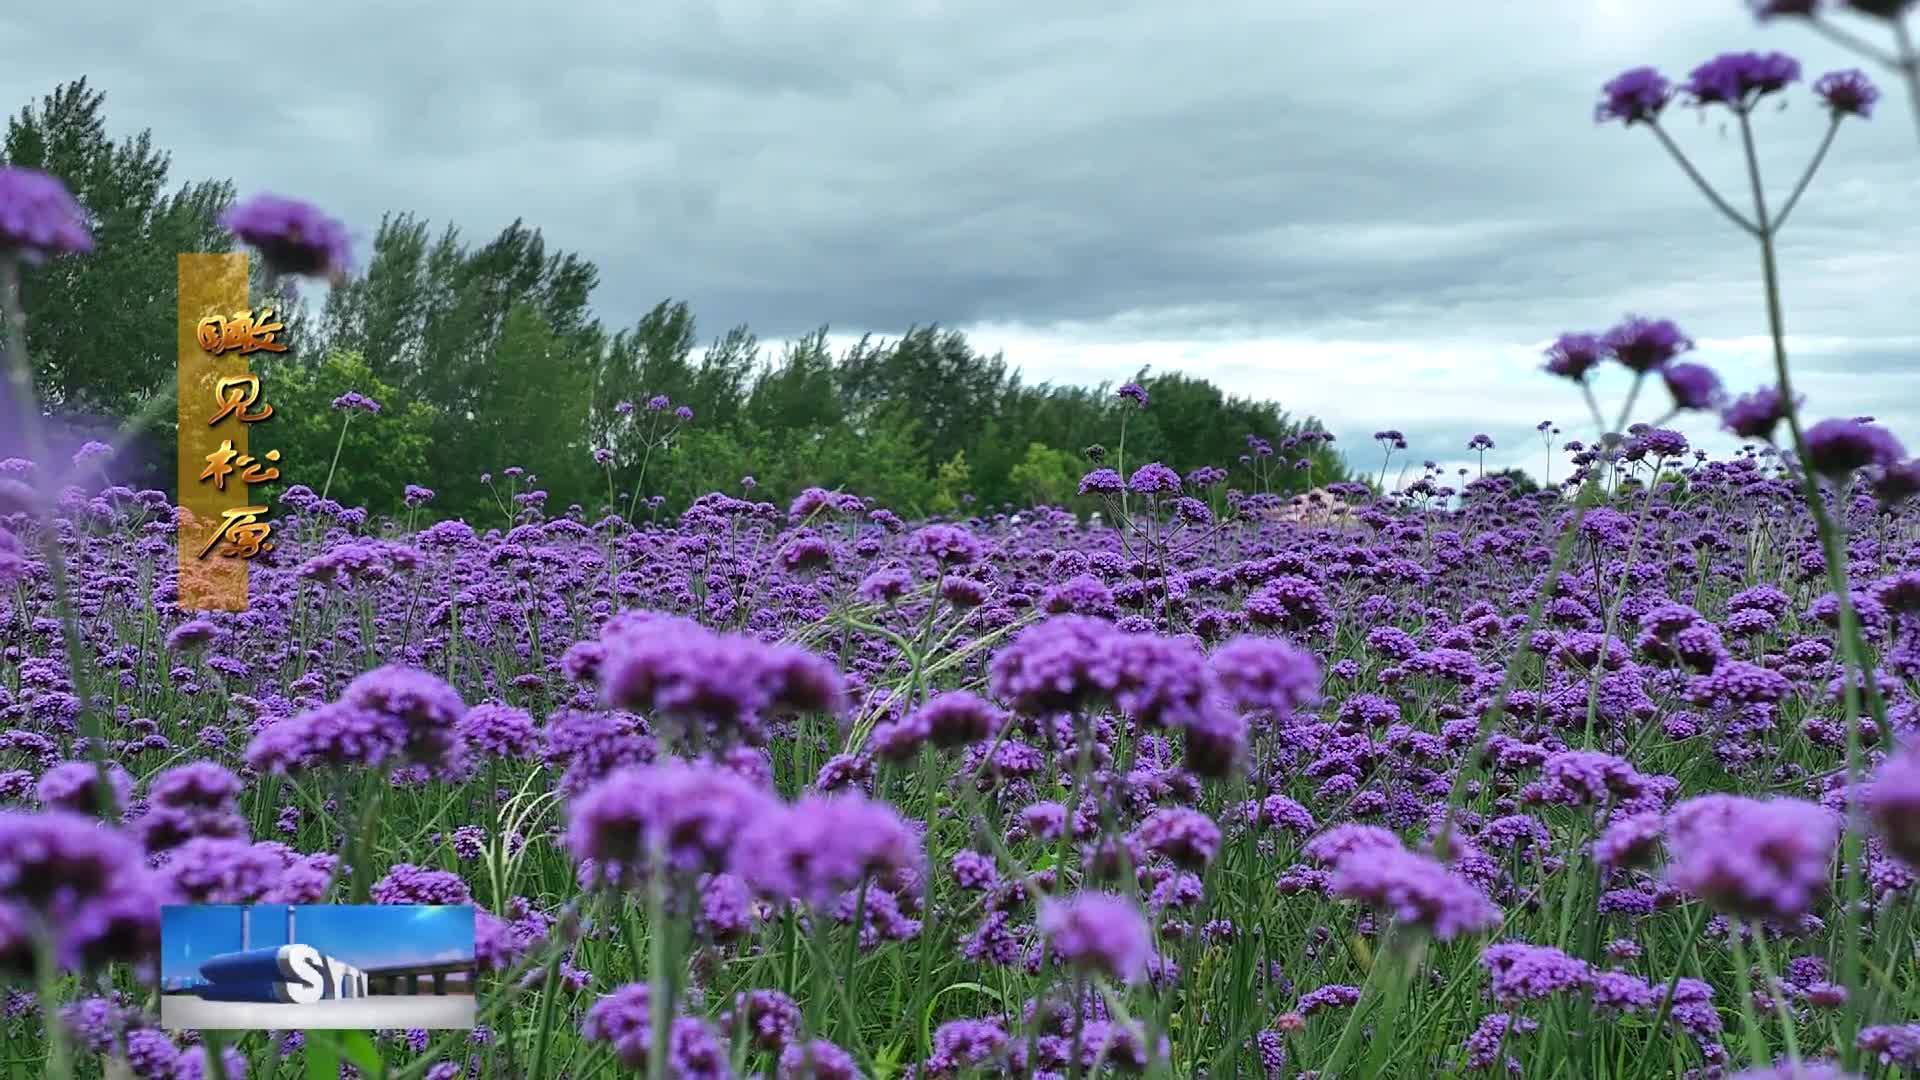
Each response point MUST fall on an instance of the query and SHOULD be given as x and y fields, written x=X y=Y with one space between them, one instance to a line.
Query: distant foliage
x=489 y=355
x=378 y=451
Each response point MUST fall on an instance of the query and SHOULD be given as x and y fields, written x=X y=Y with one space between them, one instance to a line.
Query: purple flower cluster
x=1098 y=933
x=821 y=847
x=1740 y=79
x=1641 y=345
x=1767 y=859
x=689 y=816
x=39 y=217
x=294 y=237
x=355 y=401
x=718 y=684
x=1070 y=662
x=1892 y=799
x=1415 y=889
x=77 y=884
x=393 y=713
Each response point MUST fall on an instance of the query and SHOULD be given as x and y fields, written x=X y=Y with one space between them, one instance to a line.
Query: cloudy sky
x=1371 y=211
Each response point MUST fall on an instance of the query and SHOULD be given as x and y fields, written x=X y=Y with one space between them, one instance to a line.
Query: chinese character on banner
x=242 y=534
x=240 y=333
x=222 y=462
x=245 y=534
x=236 y=395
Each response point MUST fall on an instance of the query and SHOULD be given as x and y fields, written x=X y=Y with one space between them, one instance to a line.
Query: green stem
x=1694 y=925
x=1402 y=960
x=1626 y=407
x=210 y=1046
x=1756 y=1042
x=1490 y=723
x=1852 y=42
x=549 y=997
x=59 y=1064
x=1852 y=647
x=1779 y=999
x=641 y=480
x=361 y=843
x=346 y=417
x=1700 y=182
x=659 y=1005
x=1909 y=64
x=79 y=668
x=853 y=952
x=1077 y=1013
x=1350 y=1034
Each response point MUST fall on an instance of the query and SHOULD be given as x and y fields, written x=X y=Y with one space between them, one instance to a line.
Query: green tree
x=497 y=341
x=381 y=454
x=883 y=457
x=799 y=391
x=530 y=408
x=102 y=333
x=383 y=314
x=951 y=483
x=653 y=357
x=949 y=386
x=716 y=458
x=1046 y=477
x=490 y=355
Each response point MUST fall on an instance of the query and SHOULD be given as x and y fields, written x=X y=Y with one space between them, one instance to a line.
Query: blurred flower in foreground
x=294 y=237
x=38 y=217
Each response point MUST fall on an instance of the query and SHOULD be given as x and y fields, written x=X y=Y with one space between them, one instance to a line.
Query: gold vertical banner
x=211 y=286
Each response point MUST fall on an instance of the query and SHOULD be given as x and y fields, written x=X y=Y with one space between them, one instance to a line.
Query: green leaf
x=359 y=1049
x=323 y=1061
x=886 y=1062
x=926 y=1016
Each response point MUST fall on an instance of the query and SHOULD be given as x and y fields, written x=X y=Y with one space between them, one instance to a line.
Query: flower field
x=1478 y=784
x=1616 y=778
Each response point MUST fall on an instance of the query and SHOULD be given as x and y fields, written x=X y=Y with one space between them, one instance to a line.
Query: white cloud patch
x=1441 y=395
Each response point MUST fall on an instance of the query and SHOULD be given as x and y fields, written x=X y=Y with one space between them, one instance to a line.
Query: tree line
x=486 y=355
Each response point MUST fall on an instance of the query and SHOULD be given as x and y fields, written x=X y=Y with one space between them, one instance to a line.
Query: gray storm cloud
x=1410 y=183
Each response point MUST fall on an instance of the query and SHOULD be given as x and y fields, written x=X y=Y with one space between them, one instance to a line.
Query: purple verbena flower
x=1642 y=345
x=674 y=667
x=406 y=883
x=1267 y=673
x=1693 y=386
x=691 y=814
x=294 y=237
x=1185 y=836
x=1524 y=972
x=1153 y=478
x=1836 y=448
x=1847 y=93
x=1750 y=857
x=1416 y=889
x=39 y=217
x=825 y=845
x=1632 y=97
x=1099 y=933
x=1739 y=79
x=1755 y=415
x=1892 y=800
